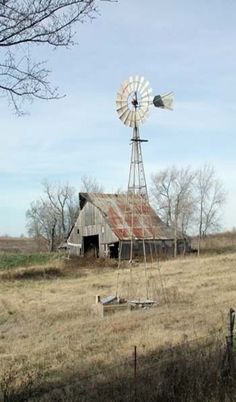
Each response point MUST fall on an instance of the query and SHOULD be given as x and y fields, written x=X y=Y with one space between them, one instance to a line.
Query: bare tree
x=90 y=184
x=53 y=215
x=172 y=192
x=210 y=196
x=162 y=193
x=25 y=23
x=42 y=222
x=186 y=198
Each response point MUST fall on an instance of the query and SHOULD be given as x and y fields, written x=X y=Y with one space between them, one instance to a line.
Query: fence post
x=231 y=339
x=135 y=373
x=231 y=326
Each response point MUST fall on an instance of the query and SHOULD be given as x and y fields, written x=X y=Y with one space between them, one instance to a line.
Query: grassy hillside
x=50 y=338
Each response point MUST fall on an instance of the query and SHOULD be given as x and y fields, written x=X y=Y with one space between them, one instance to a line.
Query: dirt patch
x=89 y=262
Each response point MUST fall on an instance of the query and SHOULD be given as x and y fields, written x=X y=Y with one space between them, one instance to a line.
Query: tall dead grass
x=218 y=243
x=48 y=325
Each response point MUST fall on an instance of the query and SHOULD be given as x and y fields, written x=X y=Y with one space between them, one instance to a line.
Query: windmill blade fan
x=133 y=100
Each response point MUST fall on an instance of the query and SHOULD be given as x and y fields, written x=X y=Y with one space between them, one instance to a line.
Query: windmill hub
x=134 y=100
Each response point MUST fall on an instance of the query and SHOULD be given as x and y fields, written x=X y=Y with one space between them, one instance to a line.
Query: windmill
x=133 y=102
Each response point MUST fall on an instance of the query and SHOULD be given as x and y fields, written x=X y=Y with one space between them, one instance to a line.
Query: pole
x=231 y=325
x=230 y=341
x=135 y=373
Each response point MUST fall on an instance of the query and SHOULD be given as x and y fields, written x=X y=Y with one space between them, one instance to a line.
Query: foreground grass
x=48 y=331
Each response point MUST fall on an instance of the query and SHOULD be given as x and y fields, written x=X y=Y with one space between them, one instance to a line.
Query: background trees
x=188 y=200
x=210 y=197
x=53 y=215
x=172 y=192
x=90 y=184
x=28 y=23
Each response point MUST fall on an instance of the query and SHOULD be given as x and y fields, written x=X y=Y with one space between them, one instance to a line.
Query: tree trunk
x=198 y=245
x=175 y=243
x=52 y=245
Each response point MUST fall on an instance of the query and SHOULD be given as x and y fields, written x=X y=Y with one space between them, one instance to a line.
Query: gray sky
x=183 y=46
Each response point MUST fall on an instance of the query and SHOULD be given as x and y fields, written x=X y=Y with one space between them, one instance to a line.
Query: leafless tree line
x=189 y=200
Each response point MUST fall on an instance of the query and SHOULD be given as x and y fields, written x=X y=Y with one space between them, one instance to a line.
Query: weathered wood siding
x=89 y=223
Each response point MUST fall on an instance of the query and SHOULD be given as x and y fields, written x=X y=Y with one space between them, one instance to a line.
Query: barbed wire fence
x=162 y=371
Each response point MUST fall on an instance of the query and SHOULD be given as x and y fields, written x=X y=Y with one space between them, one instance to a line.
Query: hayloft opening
x=91 y=245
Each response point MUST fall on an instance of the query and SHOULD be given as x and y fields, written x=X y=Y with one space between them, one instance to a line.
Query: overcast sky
x=188 y=47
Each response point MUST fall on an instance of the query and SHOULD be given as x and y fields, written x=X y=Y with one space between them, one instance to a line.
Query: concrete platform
x=103 y=310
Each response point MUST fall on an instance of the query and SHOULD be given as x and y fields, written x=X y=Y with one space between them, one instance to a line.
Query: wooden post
x=135 y=373
x=231 y=339
x=231 y=326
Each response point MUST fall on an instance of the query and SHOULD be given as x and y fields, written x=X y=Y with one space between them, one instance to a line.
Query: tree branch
x=36 y=22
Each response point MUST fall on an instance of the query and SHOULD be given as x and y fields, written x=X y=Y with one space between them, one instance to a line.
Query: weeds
x=218 y=243
x=17 y=382
x=32 y=273
x=188 y=374
x=49 y=322
x=8 y=261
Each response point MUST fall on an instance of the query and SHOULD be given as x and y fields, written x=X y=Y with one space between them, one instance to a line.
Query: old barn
x=106 y=221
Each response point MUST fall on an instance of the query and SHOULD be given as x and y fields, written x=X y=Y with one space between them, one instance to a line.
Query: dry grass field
x=49 y=336
x=218 y=243
x=22 y=244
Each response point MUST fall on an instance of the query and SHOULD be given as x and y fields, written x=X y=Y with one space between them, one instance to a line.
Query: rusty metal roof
x=123 y=213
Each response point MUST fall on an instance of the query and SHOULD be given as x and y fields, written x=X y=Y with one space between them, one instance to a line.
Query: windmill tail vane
x=164 y=101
